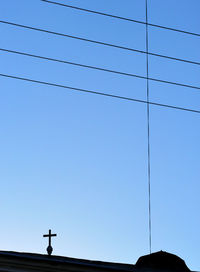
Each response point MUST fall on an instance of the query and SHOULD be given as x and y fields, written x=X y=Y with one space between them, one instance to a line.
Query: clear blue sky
x=77 y=163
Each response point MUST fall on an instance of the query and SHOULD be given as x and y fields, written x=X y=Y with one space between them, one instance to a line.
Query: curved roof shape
x=162 y=260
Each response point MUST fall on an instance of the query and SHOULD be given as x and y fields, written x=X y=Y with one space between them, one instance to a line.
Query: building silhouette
x=28 y=262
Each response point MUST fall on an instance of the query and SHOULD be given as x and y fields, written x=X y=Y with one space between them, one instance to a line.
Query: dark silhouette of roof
x=162 y=260
x=24 y=257
x=19 y=261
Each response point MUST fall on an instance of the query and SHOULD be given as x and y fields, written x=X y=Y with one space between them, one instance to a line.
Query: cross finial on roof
x=49 y=248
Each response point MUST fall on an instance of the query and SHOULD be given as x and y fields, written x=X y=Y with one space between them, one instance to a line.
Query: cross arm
x=47 y=235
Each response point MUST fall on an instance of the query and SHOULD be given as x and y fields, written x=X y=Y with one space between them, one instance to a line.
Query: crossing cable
x=148 y=128
x=122 y=18
x=100 y=93
x=99 y=68
x=99 y=42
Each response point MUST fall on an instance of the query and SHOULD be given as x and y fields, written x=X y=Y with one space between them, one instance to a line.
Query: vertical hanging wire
x=148 y=126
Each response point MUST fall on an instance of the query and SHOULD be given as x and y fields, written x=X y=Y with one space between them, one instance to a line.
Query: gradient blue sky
x=77 y=163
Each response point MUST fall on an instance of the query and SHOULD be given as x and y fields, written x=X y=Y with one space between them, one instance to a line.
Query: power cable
x=100 y=93
x=99 y=42
x=148 y=128
x=100 y=69
x=122 y=18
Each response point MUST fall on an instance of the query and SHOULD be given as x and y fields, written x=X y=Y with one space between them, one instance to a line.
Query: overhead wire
x=99 y=68
x=122 y=18
x=100 y=93
x=100 y=42
x=148 y=128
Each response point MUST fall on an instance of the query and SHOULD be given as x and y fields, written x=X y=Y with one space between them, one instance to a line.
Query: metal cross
x=49 y=248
